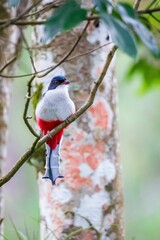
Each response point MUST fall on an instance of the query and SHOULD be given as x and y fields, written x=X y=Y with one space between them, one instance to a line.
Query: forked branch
x=38 y=142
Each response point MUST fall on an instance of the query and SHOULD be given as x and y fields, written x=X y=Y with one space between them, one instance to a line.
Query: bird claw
x=67 y=121
x=49 y=134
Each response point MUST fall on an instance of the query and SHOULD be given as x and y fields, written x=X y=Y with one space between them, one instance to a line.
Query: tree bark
x=88 y=204
x=9 y=47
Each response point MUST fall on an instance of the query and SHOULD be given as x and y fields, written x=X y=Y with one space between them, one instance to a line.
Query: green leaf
x=67 y=16
x=129 y=16
x=146 y=37
x=147 y=68
x=126 y=11
x=102 y=5
x=120 y=35
x=78 y=16
x=13 y=3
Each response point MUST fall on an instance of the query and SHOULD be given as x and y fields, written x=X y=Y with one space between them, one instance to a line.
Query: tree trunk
x=88 y=204
x=9 y=47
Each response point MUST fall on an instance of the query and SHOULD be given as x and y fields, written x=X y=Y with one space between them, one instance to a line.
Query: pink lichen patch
x=92 y=154
x=78 y=154
x=99 y=114
x=74 y=180
x=67 y=143
x=79 y=136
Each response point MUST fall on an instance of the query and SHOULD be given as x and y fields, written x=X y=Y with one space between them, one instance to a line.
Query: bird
x=54 y=107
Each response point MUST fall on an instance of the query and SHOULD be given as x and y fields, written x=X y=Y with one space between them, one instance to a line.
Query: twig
x=22 y=22
x=29 y=51
x=90 y=224
x=152 y=3
x=46 y=7
x=148 y=11
x=75 y=232
x=28 y=97
x=137 y=4
x=17 y=22
x=38 y=142
x=14 y=20
x=50 y=69
x=155 y=18
x=8 y=63
x=68 y=54
x=19 y=163
x=88 y=52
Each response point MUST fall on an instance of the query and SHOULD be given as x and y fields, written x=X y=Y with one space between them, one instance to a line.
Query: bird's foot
x=67 y=121
x=49 y=134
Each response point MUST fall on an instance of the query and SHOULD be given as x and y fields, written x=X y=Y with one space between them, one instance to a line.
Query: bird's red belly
x=46 y=126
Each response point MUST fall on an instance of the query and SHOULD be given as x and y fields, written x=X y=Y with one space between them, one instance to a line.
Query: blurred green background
x=139 y=121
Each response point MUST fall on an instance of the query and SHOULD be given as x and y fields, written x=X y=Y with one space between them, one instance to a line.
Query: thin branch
x=22 y=22
x=17 y=22
x=67 y=60
x=29 y=50
x=155 y=18
x=28 y=98
x=12 y=21
x=46 y=7
x=68 y=54
x=88 y=52
x=38 y=142
x=19 y=163
x=50 y=69
x=137 y=4
x=148 y=11
x=75 y=232
x=152 y=3
x=8 y=63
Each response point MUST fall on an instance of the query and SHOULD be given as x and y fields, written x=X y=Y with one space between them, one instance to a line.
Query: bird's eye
x=56 y=82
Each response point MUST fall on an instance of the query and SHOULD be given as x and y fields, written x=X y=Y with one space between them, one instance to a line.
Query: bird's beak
x=66 y=82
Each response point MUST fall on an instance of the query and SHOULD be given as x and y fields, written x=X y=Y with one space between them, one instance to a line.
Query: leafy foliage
x=130 y=17
x=121 y=20
x=67 y=16
x=148 y=70
x=120 y=35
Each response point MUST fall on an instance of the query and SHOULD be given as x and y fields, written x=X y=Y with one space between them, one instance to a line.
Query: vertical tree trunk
x=89 y=203
x=9 y=47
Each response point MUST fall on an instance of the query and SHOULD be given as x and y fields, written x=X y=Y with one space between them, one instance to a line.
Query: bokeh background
x=139 y=123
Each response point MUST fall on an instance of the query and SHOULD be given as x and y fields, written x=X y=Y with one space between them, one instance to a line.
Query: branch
x=137 y=4
x=68 y=54
x=21 y=23
x=88 y=52
x=47 y=6
x=38 y=142
x=29 y=50
x=14 y=20
x=155 y=18
x=19 y=163
x=152 y=3
x=8 y=63
x=50 y=69
x=25 y=118
x=148 y=11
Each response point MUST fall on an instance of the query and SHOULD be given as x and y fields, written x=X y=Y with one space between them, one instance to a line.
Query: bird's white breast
x=55 y=105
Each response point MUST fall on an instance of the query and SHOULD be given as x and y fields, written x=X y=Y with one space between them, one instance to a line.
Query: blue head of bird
x=58 y=81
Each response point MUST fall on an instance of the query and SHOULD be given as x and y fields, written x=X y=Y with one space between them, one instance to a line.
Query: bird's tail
x=52 y=163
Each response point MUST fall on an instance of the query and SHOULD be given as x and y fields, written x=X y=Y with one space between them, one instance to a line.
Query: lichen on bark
x=89 y=201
